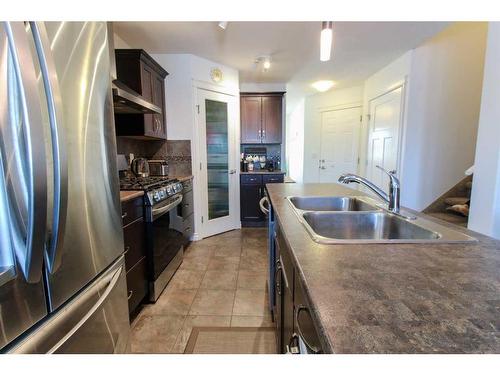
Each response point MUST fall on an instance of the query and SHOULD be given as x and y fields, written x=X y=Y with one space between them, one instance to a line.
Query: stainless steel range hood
x=127 y=101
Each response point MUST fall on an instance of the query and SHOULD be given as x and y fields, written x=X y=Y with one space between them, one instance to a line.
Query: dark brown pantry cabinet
x=134 y=237
x=261 y=118
x=138 y=70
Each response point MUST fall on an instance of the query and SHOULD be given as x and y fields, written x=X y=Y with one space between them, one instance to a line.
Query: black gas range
x=165 y=245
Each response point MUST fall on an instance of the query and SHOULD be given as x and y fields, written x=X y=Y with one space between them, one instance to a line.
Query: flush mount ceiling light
x=323 y=86
x=326 y=40
x=264 y=61
x=223 y=25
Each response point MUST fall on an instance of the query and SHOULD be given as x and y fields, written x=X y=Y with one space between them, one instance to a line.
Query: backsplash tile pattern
x=176 y=152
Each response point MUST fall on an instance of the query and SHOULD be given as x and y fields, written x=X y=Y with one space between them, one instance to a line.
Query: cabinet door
x=251 y=119
x=159 y=123
x=250 y=196
x=147 y=82
x=271 y=119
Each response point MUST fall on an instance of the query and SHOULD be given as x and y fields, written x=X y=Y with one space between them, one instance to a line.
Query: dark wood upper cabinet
x=251 y=109
x=138 y=70
x=261 y=118
x=271 y=119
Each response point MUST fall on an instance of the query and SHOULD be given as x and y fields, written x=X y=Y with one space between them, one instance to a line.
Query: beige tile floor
x=222 y=282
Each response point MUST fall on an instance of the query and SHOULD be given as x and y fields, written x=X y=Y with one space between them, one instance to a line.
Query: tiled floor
x=221 y=283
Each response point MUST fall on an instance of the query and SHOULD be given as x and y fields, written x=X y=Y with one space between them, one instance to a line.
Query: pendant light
x=326 y=40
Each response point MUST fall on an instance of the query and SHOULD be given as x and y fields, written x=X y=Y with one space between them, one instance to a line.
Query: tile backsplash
x=176 y=152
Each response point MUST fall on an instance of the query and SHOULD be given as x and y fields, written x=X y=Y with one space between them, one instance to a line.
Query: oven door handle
x=168 y=207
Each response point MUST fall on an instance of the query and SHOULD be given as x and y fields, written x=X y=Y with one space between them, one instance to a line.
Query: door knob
x=232 y=171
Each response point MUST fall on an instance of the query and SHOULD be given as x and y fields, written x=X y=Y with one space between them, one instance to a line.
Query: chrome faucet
x=392 y=198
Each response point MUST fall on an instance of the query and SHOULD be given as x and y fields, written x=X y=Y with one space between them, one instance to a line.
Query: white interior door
x=384 y=129
x=217 y=122
x=339 y=143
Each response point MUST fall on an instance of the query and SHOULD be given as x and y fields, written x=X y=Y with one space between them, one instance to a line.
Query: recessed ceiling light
x=265 y=61
x=326 y=40
x=323 y=86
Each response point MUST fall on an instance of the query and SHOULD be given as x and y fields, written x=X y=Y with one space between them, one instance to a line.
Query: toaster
x=158 y=167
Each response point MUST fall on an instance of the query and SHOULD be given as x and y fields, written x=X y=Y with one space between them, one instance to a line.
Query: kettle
x=140 y=167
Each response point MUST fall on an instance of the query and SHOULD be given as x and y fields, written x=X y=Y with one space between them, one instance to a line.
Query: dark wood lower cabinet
x=252 y=190
x=291 y=312
x=134 y=238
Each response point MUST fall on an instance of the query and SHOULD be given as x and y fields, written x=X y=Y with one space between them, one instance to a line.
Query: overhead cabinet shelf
x=136 y=69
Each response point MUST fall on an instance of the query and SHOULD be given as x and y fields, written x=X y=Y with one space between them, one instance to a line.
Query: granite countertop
x=126 y=195
x=395 y=298
x=183 y=178
x=260 y=171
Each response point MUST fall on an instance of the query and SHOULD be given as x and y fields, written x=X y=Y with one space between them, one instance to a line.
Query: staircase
x=453 y=206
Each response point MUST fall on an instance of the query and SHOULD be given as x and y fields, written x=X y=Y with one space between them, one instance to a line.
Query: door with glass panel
x=218 y=154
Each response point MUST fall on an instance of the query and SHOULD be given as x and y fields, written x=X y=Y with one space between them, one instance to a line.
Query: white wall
x=295 y=142
x=443 y=111
x=314 y=105
x=262 y=87
x=119 y=42
x=485 y=201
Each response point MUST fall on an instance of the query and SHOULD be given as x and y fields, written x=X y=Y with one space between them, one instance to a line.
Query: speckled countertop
x=182 y=178
x=126 y=195
x=395 y=298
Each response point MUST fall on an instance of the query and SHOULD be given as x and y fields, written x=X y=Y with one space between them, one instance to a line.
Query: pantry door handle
x=232 y=171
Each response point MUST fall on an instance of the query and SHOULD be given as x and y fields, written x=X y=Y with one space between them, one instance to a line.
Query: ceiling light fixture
x=223 y=25
x=326 y=40
x=323 y=86
x=265 y=61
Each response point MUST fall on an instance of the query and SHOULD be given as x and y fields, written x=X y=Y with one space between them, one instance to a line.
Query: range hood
x=127 y=101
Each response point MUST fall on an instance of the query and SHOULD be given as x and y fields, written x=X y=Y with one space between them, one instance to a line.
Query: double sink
x=361 y=220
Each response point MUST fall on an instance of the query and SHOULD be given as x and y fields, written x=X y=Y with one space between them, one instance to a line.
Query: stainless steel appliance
x=158 y=168
x=62 y=272
x=140 y=167
x=165 y=244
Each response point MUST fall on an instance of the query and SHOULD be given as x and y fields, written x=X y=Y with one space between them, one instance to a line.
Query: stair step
x=450 y=218
x=456 y=200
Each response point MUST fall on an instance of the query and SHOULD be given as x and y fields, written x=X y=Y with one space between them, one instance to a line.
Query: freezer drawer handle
x=112 y=283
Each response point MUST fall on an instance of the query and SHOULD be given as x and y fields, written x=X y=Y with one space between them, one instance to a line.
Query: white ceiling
x=360 y=48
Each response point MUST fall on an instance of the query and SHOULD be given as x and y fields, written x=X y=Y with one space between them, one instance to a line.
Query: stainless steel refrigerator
x=62 y=272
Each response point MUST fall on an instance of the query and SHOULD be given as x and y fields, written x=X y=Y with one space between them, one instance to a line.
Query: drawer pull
x=127 y=248
x=124 y=215
x=130 y=292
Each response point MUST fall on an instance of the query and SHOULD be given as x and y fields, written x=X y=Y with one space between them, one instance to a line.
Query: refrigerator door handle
x=30 y=260
x=54 y=104
x=112 y=279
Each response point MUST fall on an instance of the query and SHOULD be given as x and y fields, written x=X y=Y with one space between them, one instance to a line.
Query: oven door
x=156 y=212
x=165 y=242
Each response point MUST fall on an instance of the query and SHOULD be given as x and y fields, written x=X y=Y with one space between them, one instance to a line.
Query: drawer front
x=132 y=210
x=249 y=179
x=273 y=178
x=187 y=204
x=187 y=185
x=134 y=238
x=137 y=284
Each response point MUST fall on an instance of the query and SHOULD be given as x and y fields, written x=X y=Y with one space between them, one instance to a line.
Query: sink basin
x=331 y=204
x=374 y=226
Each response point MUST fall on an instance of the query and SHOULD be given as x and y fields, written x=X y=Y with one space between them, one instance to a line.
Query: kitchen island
x=389 y=298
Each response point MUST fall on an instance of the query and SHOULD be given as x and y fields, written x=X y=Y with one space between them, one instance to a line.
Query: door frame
x=200 y=194
x=402 y=126
x=322 y=110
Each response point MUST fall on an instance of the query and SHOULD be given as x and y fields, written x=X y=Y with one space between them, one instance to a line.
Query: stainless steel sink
x=332 y=220
x=331 y=204
x=366 y=226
